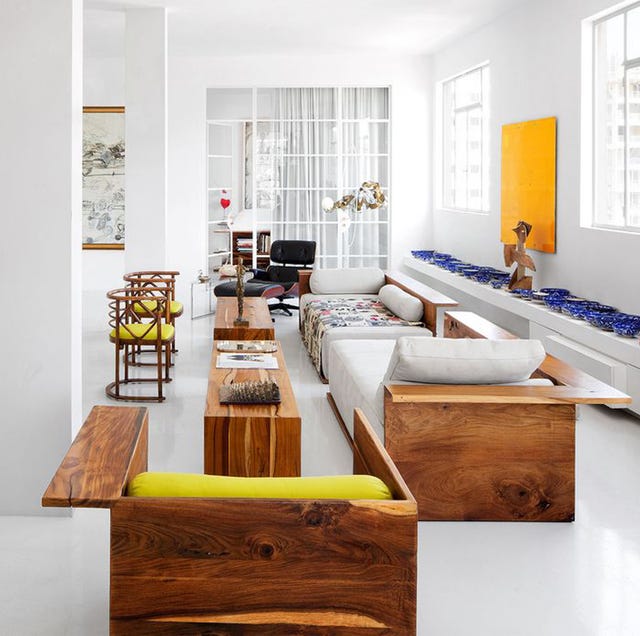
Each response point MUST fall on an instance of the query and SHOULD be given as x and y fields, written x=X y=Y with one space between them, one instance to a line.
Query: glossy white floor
x=474 y=578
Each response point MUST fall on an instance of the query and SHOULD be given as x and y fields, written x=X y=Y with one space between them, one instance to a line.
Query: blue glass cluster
x=555 y=298
x=486 y=275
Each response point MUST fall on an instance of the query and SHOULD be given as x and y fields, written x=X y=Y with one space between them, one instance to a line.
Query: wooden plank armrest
x=466 y=324
x=375 y=459
x=109 y=450
x=430 y=298
x=477 y=394
x=303 y=281
x=561 y=373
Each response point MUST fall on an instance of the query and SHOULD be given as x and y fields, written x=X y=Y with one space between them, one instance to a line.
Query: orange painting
x=528 y=187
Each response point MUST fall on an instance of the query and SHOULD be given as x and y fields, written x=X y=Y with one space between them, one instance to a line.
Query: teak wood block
x=88 y=477
x=256 y=311
x=251 y=440
x=487 y=461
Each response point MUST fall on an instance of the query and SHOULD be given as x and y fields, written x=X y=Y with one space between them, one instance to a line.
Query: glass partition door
x=301 y=145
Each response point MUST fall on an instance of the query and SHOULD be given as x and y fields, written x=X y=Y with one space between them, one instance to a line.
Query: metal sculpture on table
x=241 y=270
x=516 y=253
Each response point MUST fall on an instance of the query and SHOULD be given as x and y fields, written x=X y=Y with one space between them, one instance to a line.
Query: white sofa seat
x=358 y=369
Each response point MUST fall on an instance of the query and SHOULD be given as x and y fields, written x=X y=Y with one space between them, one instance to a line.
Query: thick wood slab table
x=256 y=311
x=251 y=440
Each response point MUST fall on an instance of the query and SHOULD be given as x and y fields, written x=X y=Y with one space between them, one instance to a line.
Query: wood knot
x=266 y=550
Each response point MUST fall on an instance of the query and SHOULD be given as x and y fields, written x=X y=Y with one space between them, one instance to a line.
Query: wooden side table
x=256 y=311
x=251 y=440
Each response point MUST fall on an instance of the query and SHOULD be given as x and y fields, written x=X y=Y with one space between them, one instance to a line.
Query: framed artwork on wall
x=528 y=188
x=103 y=165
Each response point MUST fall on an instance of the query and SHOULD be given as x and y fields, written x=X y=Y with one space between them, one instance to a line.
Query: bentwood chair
x=139 y=318
x=155 y=283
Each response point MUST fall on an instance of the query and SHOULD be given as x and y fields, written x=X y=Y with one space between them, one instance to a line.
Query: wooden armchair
x=138 y=318
x=243 y=566
x=156 y=283
x=471 y=452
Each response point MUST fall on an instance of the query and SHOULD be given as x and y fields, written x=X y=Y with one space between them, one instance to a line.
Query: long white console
x=611 y=358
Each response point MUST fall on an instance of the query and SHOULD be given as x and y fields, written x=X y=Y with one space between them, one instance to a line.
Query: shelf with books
x=242 y=244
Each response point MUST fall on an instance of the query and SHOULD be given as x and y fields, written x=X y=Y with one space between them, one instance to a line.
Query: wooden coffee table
x=256 y=311
x=251 y=440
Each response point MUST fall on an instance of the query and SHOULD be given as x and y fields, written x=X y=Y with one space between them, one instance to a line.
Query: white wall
x=102 y=270
x=534 y=55
x=190 y=77
x=40 y=180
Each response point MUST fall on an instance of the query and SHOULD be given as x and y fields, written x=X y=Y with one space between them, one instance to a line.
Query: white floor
x=474 y=578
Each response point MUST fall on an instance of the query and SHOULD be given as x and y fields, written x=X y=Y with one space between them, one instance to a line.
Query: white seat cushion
x=463 y=360
x=364 y=333
x=357 y=369
x=357 y=280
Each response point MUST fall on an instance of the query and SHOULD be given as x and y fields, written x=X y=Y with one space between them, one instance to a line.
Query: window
x=465 y=164
x=616 y=120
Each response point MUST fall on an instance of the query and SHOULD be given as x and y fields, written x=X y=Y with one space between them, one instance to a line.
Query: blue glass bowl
x=423 y=255
x=555 y=302
x=628 y=326
x=602 y=320
x=496 y=283
x=526 y=294
x=481 y=277
x=577 y=308
x=558 y=291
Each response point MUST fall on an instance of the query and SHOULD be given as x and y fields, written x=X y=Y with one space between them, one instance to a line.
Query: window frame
x=589 y=168
x=445 y=152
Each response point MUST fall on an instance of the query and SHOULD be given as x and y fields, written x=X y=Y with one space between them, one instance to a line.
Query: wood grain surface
x=110 y=448
x=334 y=565
x=490 y=461
x=256 y=311
x=251 y=440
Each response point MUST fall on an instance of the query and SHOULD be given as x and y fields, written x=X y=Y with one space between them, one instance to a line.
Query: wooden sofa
x=489 y=452
x=243 y=566
x=432 y=302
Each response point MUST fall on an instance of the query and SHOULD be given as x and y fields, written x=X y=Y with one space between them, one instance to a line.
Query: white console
x=610 y=358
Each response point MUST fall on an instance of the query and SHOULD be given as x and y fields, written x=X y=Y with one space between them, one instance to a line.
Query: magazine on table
x=246 y=361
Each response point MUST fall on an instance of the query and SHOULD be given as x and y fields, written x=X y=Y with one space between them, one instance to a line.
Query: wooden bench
x=244 y=566
x=491 y=452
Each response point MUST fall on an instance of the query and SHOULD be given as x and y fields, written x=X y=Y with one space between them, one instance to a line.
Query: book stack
x=244 y=245
x=264 y=243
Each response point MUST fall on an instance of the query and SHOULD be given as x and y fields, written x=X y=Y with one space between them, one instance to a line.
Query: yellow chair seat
x=135 y=331
x=144 y=307
x=194 y=485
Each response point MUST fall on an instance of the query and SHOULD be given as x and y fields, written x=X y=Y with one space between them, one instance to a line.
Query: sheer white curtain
x=328 y=142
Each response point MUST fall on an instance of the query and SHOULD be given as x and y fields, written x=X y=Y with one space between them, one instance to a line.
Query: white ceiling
x=271 y=27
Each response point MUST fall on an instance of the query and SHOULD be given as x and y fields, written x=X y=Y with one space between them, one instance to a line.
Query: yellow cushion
x=166 y=332
x=145 y=306
x=192 y=485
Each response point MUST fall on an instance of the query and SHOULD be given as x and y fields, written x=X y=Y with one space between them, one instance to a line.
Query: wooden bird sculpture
x=518 y=254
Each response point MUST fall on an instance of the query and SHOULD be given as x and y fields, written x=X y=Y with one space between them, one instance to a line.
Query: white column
x=40 y=182
x=146 y=139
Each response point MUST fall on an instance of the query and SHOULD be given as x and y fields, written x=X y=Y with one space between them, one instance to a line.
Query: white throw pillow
x=357 y=280
x=401 y=303
x=463 y=360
